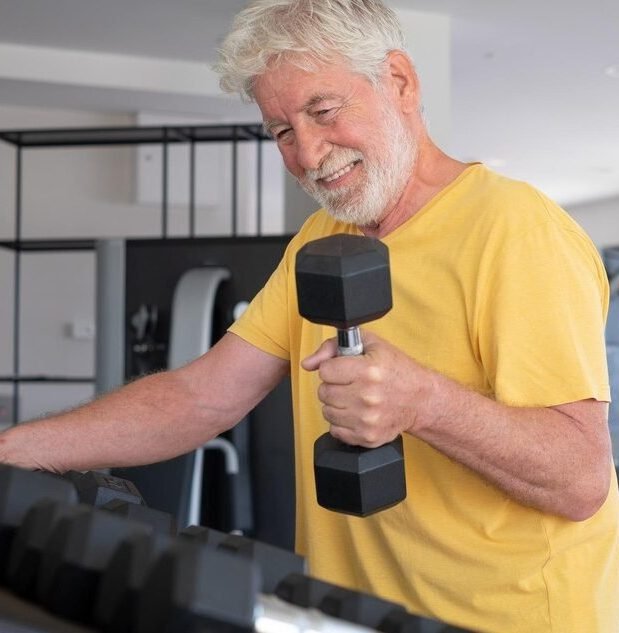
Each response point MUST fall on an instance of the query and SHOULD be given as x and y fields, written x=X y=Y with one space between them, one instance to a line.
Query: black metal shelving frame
x=164 y=136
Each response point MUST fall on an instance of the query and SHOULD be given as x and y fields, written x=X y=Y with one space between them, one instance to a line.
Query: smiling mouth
x=340 y=172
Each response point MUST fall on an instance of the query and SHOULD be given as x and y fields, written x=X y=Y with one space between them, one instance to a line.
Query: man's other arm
x=152 y=419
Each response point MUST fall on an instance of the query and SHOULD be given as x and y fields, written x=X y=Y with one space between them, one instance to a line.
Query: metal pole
x=164 y=185
x=192 y=188
x=17 y=282
x=234 y=180
x=259 y=189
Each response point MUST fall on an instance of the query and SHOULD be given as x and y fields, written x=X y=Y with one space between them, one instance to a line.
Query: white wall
x=61 y=193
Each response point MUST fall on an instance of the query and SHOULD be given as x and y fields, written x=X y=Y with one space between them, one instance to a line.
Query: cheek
x=290 y=161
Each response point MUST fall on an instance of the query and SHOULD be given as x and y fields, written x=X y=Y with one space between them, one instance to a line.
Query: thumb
x=327 y=350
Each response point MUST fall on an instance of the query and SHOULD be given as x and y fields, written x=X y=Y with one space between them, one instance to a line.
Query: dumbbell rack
x=164 y=136
x=81 y=553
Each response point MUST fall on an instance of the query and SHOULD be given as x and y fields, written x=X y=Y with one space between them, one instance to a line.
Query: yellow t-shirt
x=497 y=288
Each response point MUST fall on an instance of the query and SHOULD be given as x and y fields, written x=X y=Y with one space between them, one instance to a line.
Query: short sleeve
x=265 y=322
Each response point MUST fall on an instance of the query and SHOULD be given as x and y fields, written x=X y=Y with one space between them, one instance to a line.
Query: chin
x=353 y=216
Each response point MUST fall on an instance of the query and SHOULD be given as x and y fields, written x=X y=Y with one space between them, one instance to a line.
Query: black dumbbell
x=161 y=522
x=29 y=542
x=344 y=604
x=75 y=556
x=115 y=609
x=356 y=607
x=194 y=587
x=97 y=489
x=344 y=281
x=202 y=534
x=19 y=490
x=122 y=582
x=275 y=563
x=303 y=591
x=404 y=622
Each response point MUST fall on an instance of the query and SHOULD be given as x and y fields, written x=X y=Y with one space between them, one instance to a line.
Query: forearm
x=554 y=460
x=152 y=419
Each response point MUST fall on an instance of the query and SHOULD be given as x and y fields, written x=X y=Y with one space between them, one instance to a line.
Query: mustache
x=336 y=160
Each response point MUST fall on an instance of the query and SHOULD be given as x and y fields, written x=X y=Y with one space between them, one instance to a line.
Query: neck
x=433 y=171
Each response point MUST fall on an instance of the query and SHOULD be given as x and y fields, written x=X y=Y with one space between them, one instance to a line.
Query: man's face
x=340 y=137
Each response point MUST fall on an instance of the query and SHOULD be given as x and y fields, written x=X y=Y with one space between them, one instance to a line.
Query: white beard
x=386 y=175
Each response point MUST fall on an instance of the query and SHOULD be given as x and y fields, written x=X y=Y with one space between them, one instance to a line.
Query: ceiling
x=531 y=94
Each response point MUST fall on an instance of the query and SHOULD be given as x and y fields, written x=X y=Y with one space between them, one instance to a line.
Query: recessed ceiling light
x=612 y=71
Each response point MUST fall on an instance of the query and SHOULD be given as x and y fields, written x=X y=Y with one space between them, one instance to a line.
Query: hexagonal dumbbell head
x=343 y=280
x=358 y=481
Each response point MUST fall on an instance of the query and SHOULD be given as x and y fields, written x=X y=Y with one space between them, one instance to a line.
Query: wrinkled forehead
x=287 y=64
x=286 y=89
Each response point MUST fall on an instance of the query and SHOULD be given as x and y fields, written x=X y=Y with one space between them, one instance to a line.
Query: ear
x=404 y=80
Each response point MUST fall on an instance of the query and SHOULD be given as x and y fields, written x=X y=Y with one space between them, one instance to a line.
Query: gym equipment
x=29 y=543
x=303 y=591
x=93 y=566
x=191 y=333
x=357 y=607
x=135 y=272
x=115 y=609
x=19 y=489
x=75 y=556
x=45 y=498
x=160 y=522
x=124 y=579
x=221 y=595
x=353 y=606
x=344 y=281
x=403 y=622
x=203 y=534
x=97 y=489
x=274 y=563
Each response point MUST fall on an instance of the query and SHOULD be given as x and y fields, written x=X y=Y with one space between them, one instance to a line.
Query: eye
x=325 y=113
x=282 y=134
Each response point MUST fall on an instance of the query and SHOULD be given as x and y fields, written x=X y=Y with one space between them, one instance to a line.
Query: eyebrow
x=312 y=101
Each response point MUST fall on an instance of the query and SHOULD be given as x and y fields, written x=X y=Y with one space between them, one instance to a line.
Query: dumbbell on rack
x=123 y=583
x=356 y=607
x=108 y=572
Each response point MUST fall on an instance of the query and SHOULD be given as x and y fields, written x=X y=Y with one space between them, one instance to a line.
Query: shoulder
x=502 y=205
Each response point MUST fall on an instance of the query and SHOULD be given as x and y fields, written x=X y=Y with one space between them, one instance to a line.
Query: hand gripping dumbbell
x=344 y=281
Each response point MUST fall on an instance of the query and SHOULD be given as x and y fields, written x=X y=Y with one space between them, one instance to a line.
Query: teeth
x=339 y=173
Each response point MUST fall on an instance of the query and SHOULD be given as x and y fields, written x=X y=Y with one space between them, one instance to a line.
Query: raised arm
x=154 y=418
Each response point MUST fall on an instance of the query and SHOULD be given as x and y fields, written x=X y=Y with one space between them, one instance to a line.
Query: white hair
x=307 y=33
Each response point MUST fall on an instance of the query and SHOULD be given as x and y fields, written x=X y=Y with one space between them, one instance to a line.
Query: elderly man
x=491 y=363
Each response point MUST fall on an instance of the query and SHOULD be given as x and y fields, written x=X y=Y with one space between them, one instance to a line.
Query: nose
x=311 y=147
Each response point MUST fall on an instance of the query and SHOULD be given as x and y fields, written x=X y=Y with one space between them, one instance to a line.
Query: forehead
x=285 y=85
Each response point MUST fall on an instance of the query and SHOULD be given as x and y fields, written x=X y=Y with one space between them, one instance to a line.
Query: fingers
x=366 y=399
x=326 y=351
